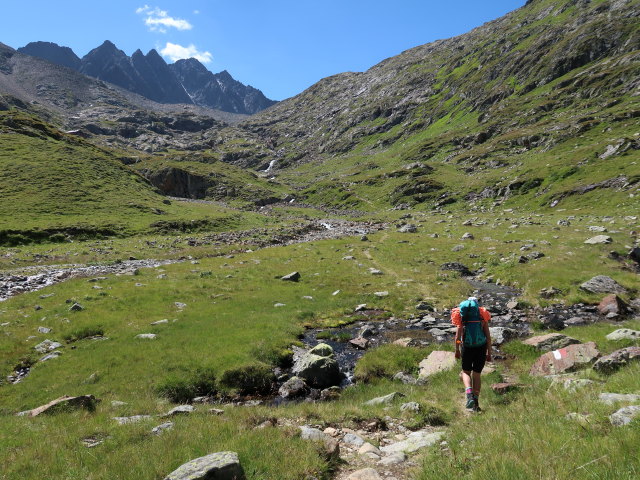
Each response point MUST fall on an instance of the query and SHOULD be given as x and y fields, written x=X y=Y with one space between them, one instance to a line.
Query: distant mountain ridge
x=186 y=81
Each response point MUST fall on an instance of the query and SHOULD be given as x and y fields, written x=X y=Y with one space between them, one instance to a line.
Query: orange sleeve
x=485 y=315
x=456 y=319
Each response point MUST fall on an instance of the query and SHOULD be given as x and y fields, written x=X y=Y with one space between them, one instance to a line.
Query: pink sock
x=469 y=390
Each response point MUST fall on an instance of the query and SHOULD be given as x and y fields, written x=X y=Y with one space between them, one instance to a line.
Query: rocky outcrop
x=566 y=359
x=215 y=466
x=176 y=182
x=52 y=52
x=602 y=284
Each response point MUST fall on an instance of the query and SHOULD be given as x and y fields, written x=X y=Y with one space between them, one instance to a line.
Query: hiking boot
x=476 y=405
x=470 y=401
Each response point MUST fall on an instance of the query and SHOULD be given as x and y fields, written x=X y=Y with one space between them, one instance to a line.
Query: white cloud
x=159 y=20
x=196 y=12
x=177 y=52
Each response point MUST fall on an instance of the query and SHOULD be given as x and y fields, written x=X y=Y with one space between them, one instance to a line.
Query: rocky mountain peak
x=52 y=52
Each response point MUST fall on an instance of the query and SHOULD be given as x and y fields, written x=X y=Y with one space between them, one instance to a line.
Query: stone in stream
x=612 y=304
x=624 y=334
x=551 y=341
x=318 y=367
x=566 y=359
x=616 y=360
x=437 y=361
x=292 y=388
x=88 y=402
x=360 y=343
x=602 y=284
x=291 y=277
x=625 y=415
x=215 y=466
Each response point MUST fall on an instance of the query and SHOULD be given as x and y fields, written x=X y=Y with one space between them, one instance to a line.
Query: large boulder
x=625 y=415
x=566 y=359
x=318 y=367
x=624 y=334
x=216 y=466
x=616 y=360
x=602 y=284
x=292 y=388
x=551 y=341
x=437 y=361
x=66 y=402
x=612 y=304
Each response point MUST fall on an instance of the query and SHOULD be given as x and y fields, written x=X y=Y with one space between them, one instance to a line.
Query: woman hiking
x=473 y=344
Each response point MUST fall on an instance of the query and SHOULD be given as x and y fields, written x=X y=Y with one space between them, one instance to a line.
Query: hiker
x=473 y=344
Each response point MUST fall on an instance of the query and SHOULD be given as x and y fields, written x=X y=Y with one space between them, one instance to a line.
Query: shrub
x=249 y=379
x=183 y=389
x=84 y=332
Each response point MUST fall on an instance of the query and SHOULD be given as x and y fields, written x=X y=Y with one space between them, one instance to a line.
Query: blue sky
x=278 y=46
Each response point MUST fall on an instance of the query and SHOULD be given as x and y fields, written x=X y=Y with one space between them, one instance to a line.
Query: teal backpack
x=473 y=335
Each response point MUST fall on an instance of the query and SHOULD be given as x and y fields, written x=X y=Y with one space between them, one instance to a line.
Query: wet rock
x=599 y=239
x=293 y=388
x=625 y=415
x=456 y=267
x=551 y=341
x=384 y=400
x=616 y=360
x=437 y=361
x=415 y=441
x=612 y=304
x=292 y=277
x=613 y=398
x=566 y=359
x=360 y=343
x=87 y=402
x=624 y=334
x=602 y=284
x=318 y=367
x=218 y=466
x=364 y=474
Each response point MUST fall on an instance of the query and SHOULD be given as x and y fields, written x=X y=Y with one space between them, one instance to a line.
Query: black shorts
x=473 y=358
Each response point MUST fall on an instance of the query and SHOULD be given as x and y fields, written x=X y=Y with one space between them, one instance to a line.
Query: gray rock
x=160 y=322
x=161 y=428
x=437 y=361
x=394 y=459
x=76 y=307
x=624 y=334
x=309 y=433
x=408 y=228
x=364 y=474
x=602 y=284
x=353 y=439
x=385 y=400
x=499 y=335
x=625 y=415
x=551 y=341
x=147 y=336
x=415 y=441
x=131 y=419
x=47 y=346
x=216 y=466
x=410 y=406
x=613 y=398
x=316 y=370
x=322 y=350
x=179 y=410
x=292 y=388
x=50 y=356
x=405 y=378
x=292 y=277
x=44 y=330
x=616 y=360
x=599 y=239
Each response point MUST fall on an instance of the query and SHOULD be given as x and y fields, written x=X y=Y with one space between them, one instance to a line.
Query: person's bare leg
x=477 y=383
x=466 y=378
